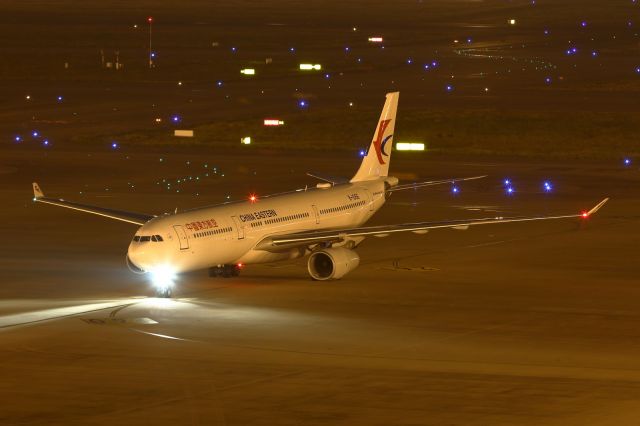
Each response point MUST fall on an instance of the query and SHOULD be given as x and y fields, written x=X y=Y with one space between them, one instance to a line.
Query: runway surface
x=513 y=324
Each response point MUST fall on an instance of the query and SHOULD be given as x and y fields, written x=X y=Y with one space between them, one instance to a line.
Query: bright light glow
x=18 y=138
x=246 y=140
x=150 y=19
x=410 y=146
x=512 y=21
x=507 y=182
x=375 y=39
x=510 y=191
x=114 y=145
x=35 y=134
x=162 y=276
x=547 y=186
x=59 y=98
x=455 y=189
x=302 y=104
x=248 y=71
x=310 y=67
x=627 y=161
x=253 y=198
x=585 y=215
x=175 y=118
x=273 y=122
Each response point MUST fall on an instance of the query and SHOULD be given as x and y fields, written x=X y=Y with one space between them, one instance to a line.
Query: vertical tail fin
x=376 y=162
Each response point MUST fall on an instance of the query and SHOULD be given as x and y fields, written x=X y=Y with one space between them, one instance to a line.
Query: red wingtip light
x=253 y=198
x=585 y=215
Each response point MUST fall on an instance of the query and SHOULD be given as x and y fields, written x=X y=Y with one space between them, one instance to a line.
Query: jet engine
x=332 y=263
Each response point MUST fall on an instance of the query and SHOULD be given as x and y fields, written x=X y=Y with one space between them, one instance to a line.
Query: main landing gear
x=225 y=271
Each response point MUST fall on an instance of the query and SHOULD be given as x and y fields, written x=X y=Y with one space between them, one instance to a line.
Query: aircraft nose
x=135 y=259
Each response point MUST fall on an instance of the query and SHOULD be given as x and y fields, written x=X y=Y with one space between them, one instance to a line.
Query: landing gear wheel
x=225 y=271
x=163 y=292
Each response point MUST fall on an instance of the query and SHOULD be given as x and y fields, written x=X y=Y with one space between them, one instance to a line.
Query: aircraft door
x=370 y=199
x=315 y=213
x=239 y=226
x=182 y=237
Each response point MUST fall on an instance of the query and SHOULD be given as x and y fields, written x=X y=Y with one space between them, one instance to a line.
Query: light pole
x=150 y=21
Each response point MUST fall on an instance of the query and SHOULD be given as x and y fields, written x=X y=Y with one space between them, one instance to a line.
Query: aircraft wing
x=136 y=218
x=281 y=242
x=431 y=183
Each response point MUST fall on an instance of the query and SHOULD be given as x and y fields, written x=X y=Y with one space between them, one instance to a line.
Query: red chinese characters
x=201 y=224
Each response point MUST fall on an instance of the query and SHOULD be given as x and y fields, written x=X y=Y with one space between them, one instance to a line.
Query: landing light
x=162 y=276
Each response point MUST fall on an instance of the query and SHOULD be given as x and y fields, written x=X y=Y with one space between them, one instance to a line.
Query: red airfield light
x=240 y=265
x=150 y=19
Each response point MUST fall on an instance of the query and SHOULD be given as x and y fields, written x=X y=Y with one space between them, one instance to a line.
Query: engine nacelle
x=332 y=263
x=133 y=267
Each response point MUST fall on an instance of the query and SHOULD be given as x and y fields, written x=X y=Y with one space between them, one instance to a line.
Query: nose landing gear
x=164 y=292
x=225 y=271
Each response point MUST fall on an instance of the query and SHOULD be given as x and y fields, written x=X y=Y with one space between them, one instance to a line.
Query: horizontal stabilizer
x=334 y=180
x=432 y=183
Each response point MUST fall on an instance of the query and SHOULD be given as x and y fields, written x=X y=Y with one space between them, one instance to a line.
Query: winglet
x=597 y=207
x=37 y=192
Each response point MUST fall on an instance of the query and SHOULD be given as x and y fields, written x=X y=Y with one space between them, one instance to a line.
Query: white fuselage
x=227 y=233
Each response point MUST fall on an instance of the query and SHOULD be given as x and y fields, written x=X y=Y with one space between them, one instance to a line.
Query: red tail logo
x=379 y=143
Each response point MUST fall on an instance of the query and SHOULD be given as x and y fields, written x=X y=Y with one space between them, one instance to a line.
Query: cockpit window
x=158 y=238
x=136 y=238
x=145 y=238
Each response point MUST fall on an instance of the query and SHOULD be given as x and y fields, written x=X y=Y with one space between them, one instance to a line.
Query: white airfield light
x=248 y=71
x=410 y=146
x=246 y=140
x=307 y=67
x=375 y=39
x=273 y=122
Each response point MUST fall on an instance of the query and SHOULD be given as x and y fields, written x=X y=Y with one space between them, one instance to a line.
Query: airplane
x=324 y=222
